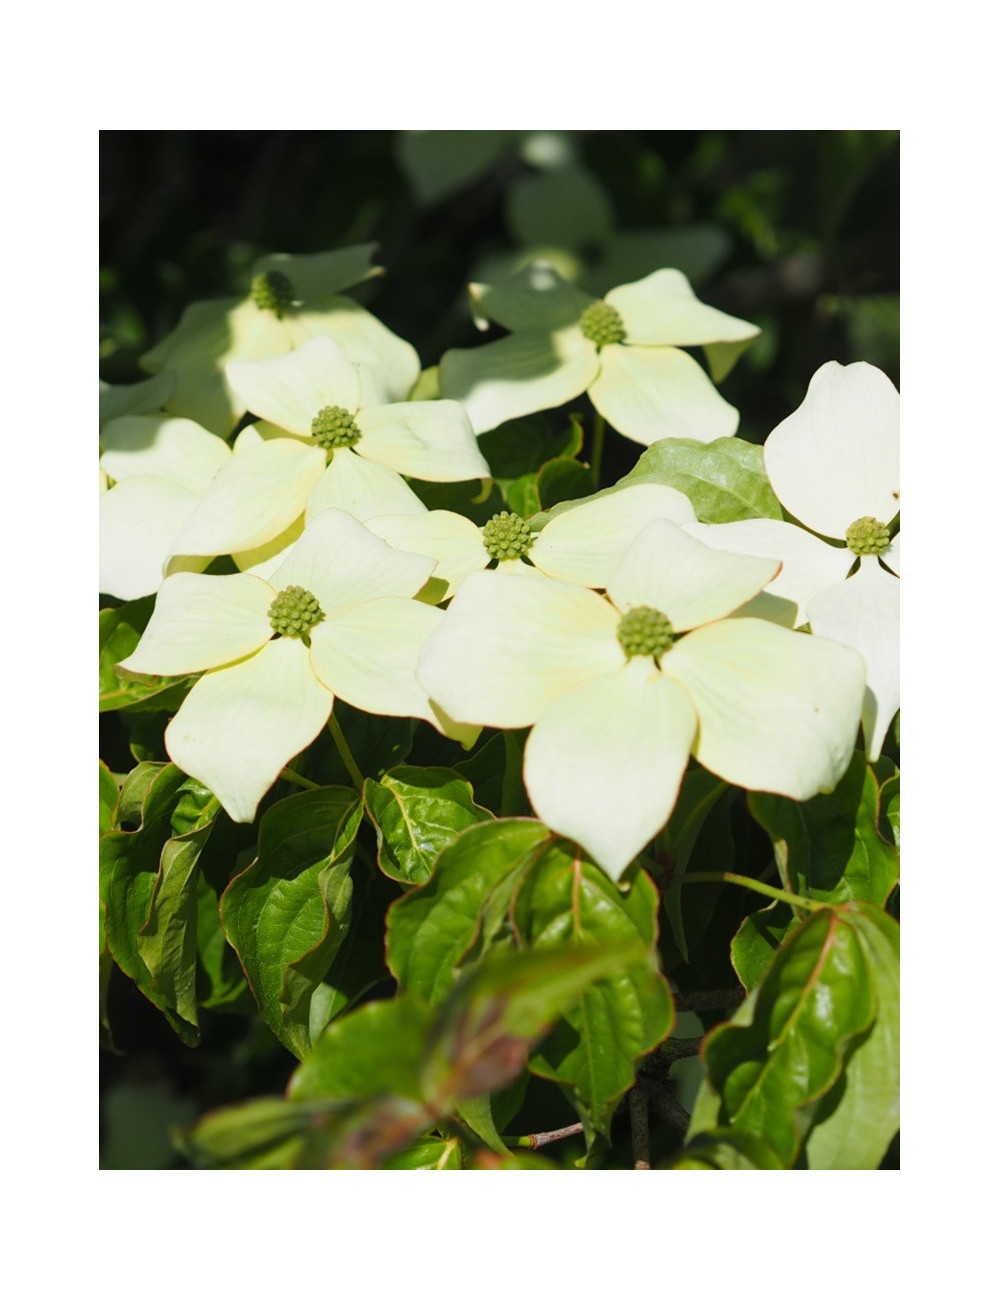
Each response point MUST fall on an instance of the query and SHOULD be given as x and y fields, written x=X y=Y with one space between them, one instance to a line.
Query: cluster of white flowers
x=623 y=632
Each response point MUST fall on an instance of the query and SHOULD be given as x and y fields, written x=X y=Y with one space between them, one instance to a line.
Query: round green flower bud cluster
x=506 y=536
x=866 y=536
x=645 y=631
x=294 y=611
x=602 y=324
x=334 y=427
x=272 y=291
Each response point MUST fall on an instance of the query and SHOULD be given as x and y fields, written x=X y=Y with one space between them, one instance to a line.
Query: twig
x=709 y=1000
x=535 y=1140
x=638 y=1109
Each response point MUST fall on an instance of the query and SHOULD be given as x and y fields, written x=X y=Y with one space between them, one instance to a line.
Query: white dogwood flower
x=834 y=465
x=623 y=350
x=161 y=467
x=324 y=447
x=335 y=621
x=291 y=299
x=619 y=691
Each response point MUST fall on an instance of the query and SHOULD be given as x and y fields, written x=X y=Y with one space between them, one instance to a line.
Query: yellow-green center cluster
x=645 y=631
x=866 y=536
x=272 y=291
x=294 y=611
x=506 y=536
x=602 y=324
x=334 y=427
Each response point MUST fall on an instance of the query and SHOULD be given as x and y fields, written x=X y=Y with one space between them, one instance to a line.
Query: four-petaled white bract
x=760 y=706
x=832 y=463
x=263 y=698
x=271 y=481
x=644 y=385
x=210 y=334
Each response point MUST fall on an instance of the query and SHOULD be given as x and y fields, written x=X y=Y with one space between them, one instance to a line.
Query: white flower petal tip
x=425 y=440
x=836 y=458
x=603 y=764
x=240 y=725
x=777 y=710
x=649 y=393
x=863 y=612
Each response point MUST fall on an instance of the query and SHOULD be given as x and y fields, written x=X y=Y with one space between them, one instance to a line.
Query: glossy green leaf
x=564 y=900
x=360 y=961
x=435 y=926
x=106 y=962
x=814 y=1003
x=829 y=847
x=375 y=1049
x=727 y=1148
x=220 y=978
x=757 y=940
x=288 y=912
x=724 y=479
x=168 y=942
x=417 y=812
x=120 y=630
x=131 y=877
x=858 y=1118
x=888 y=805
x=108 y=799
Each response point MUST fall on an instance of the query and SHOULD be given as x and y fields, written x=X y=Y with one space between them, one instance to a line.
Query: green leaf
x=263 y=1133
x=565 y=207
x=360 y=961
x=724 y=480
x=858 y=1118
x=727 y=1148
x=418 y=811
x=829 y=847
x=375 y=1049
x=814 y=1002
x=564 y=900
x=484 y=769
x=120 y=630
x=288 y=912
x=428 y=1153
x=168 y=942
x=477 y=1114
x=563 y=480
x=431 y=929
x=109 y=798
x=760 y=935
x=134 y=866
x=104 y=978
x=437 y=163
x=888 y=807
x=480 y=1038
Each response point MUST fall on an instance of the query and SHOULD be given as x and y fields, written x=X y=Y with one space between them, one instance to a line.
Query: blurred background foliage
x=797 y=231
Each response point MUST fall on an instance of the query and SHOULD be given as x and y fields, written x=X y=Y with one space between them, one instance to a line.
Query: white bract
x=161 y=468
x=335 y=621
x=117 y=400
x=324 y=447
x=621 y=690
x=582 y=544
x=624 y=351
x=834 y=465
x=291 y=299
